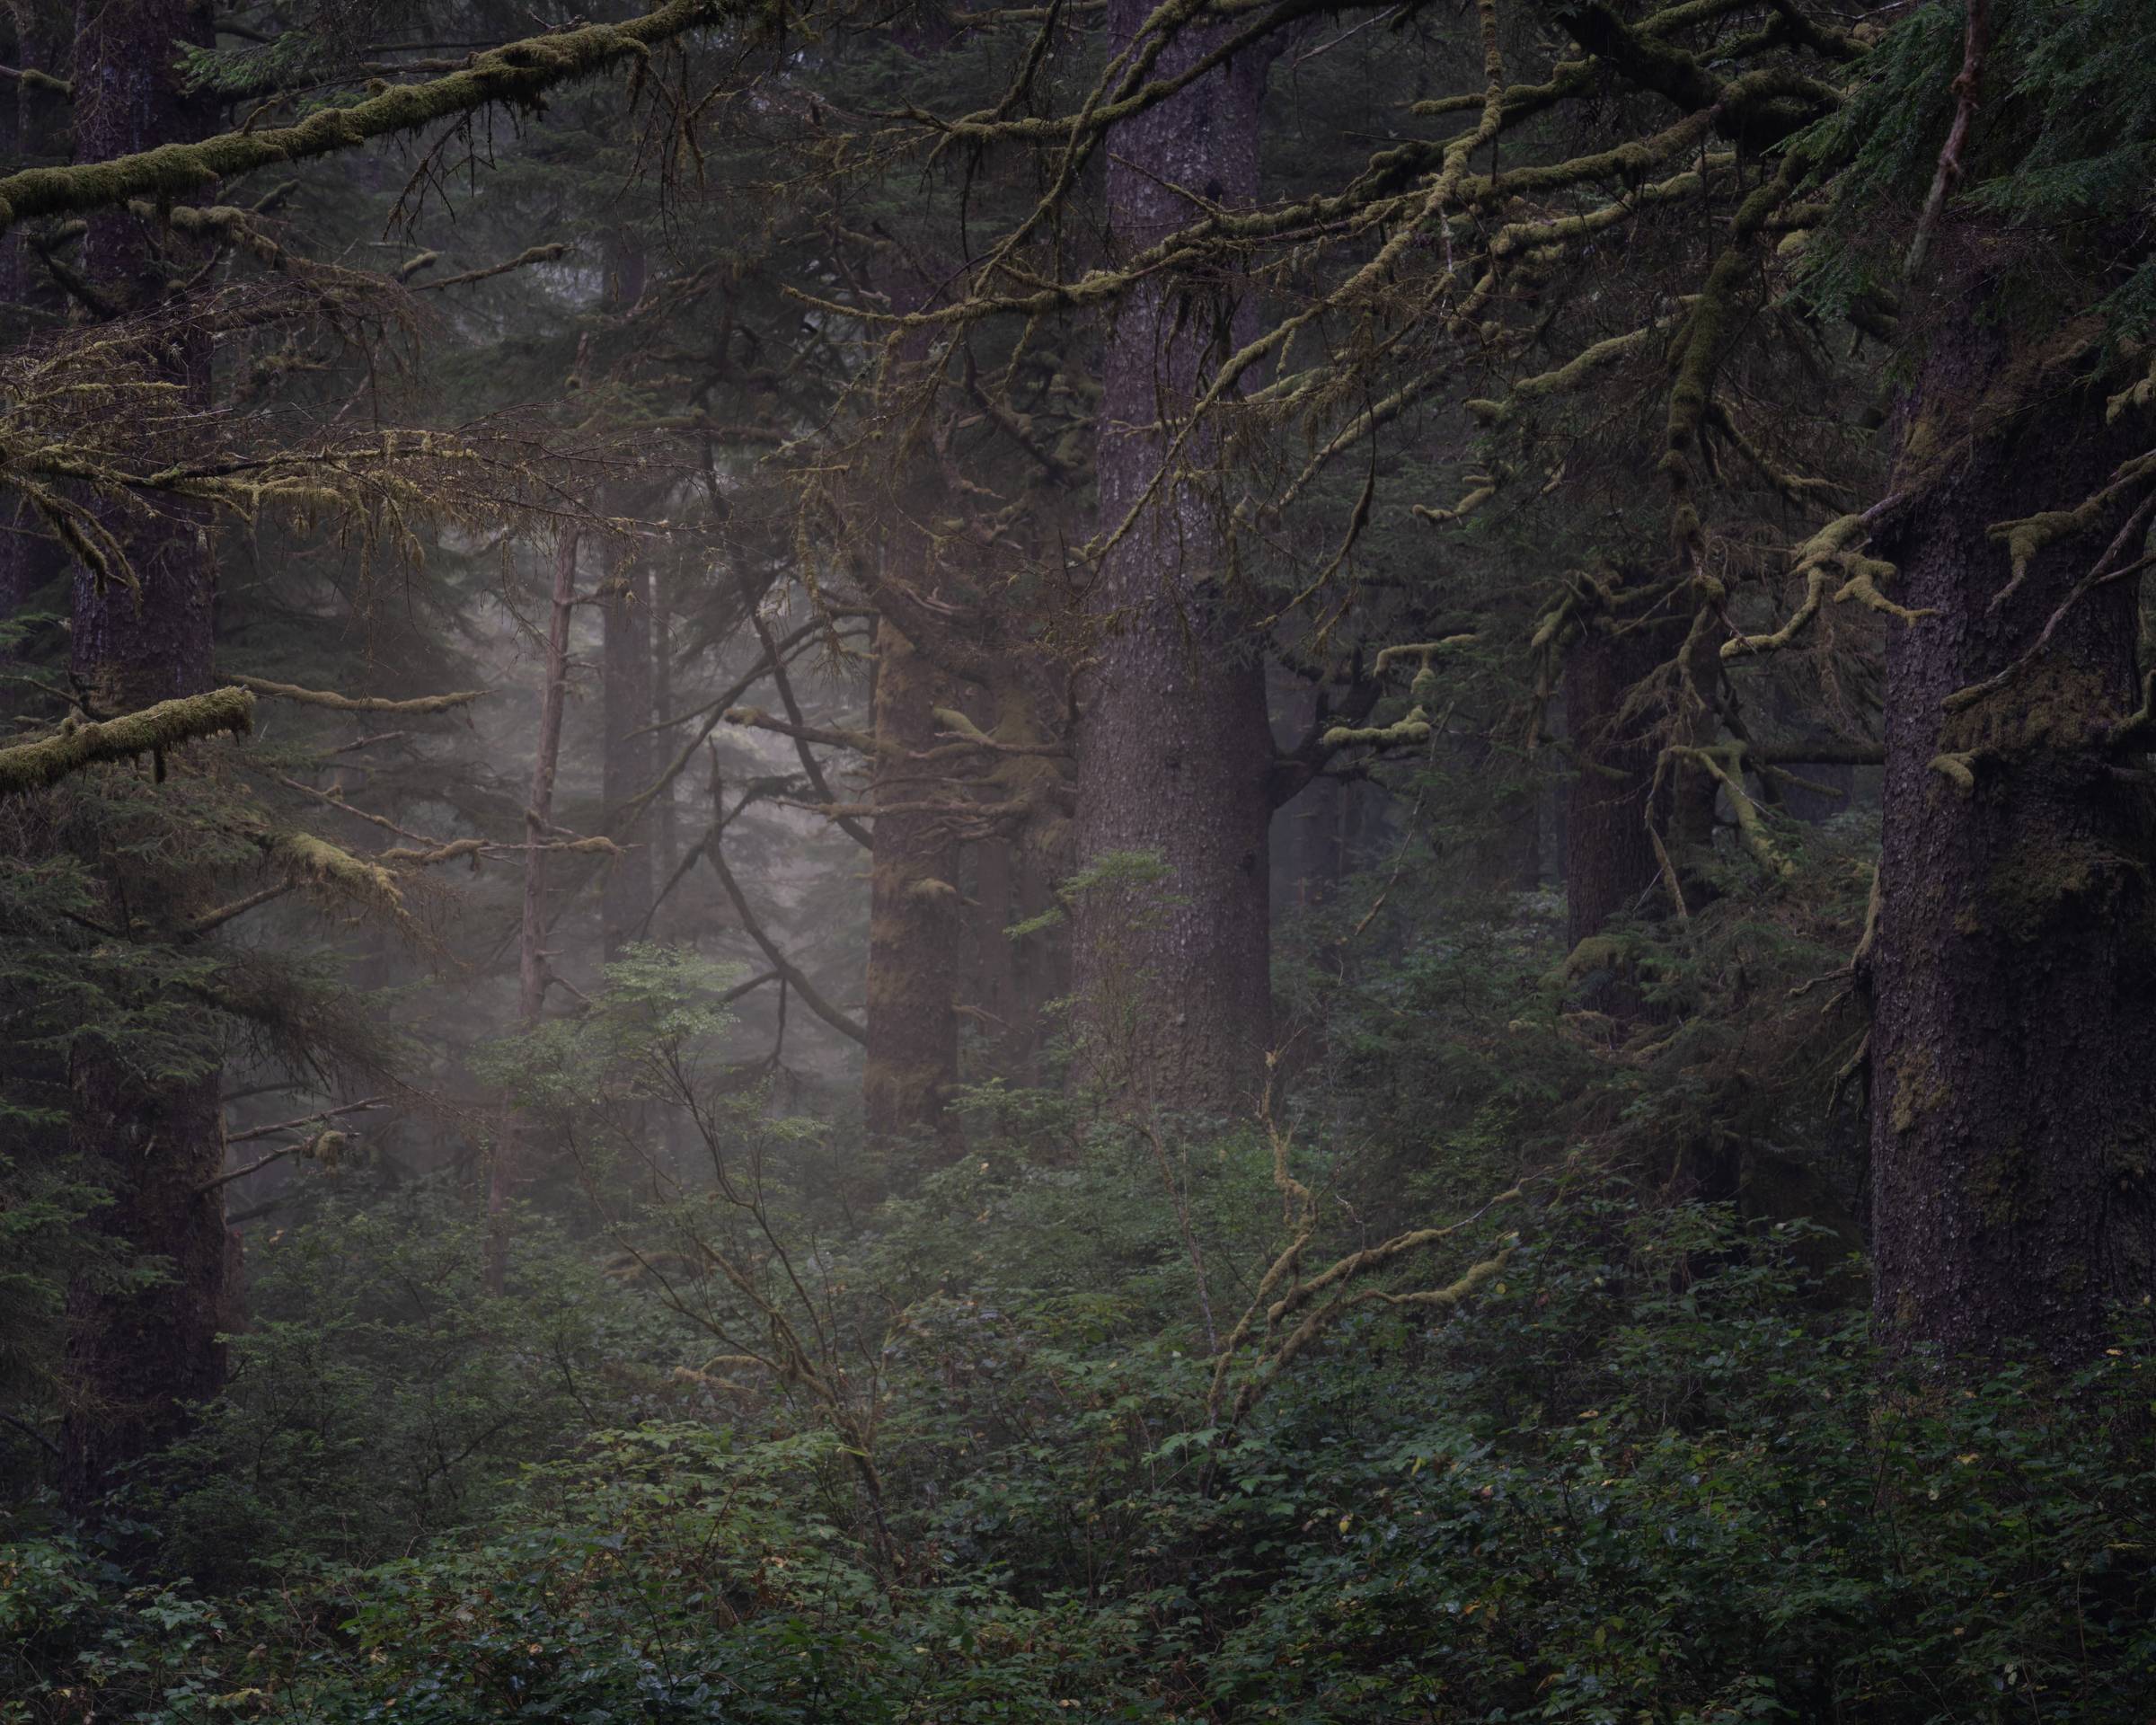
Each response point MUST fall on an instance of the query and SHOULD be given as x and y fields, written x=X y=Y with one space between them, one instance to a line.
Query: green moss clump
x=2055 y=703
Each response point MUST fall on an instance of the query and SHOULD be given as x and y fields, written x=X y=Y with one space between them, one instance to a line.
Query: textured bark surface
x=913 y=1039
x=2014 y=974
x=135 y=648
x=1175 y=752
x=136 y=1357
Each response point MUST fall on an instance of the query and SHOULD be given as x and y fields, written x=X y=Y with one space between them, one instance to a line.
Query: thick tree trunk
x=137 y=1356
x=913 y=1046
x=2014 y=970
x=1175 y=752
x=136 y=647
x=32 y=132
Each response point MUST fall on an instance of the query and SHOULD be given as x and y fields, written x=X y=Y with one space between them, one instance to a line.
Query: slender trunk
x=1010 y=981
x=628 y=761
x=664 y=814
x=531 y=958
x=137 y=1355
x=911 y=1016
x=2014 y=968
x=1175 y=751
x=912 y=1048
x=629 y=753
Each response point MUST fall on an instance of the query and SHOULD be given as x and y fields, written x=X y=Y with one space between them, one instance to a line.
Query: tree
x=1174 y=747
x=138 y=1355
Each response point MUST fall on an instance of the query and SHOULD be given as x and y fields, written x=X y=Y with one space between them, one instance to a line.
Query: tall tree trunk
x=664 y=815
x=913 y=1037
x=2014 y=967
x=1175 y=752
x=629 y=760
x=137 y=1355
x=911 y=1015
x=29 y=134
x=629 y=752
x=507 y=1170
x=1011 y=981
x=136 y=647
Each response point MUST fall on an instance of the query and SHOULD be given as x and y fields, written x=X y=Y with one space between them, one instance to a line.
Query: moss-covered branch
x=517 y=71
x=1724 y=764
x=336 y=703
x=35 y=767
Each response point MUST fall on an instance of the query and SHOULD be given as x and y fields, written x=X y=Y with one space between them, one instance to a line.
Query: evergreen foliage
x=588 y=1124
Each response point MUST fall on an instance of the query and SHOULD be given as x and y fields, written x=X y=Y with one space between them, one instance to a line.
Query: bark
x=507 y=1171
x=1175 y=752
x=913 y=972
x=2014 y=968
x=912 y=1039
x=664 y=813
x=135 y=647
x=137 y=1356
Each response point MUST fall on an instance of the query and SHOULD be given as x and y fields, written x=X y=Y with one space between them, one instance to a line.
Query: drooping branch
x=811 y=996
x=810 y=765
x=1282 y=1291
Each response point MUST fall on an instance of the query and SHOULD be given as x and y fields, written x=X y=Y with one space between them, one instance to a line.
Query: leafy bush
x=1651 y=1475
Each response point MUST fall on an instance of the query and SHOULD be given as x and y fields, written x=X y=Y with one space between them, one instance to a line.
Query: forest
x=940 y=861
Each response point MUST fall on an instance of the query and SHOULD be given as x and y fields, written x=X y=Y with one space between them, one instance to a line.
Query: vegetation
x=1098 y=862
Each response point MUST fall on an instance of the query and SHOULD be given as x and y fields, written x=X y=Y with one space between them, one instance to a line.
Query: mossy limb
x=35 y=767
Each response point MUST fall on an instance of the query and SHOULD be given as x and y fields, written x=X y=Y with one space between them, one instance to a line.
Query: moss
x=2055 y=703
x=359 y=704
x=1998 y=1184
x=1401 y=733
x=516 y=73
x=1959 y=767
x=1596 y=952
x=316 y=862
x=1918 y=1090
x=2041 y=877
x=408 y=857
x=34 y=767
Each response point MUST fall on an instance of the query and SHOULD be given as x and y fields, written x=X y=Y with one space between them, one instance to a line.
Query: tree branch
x=515 y=73
x=36 y=766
